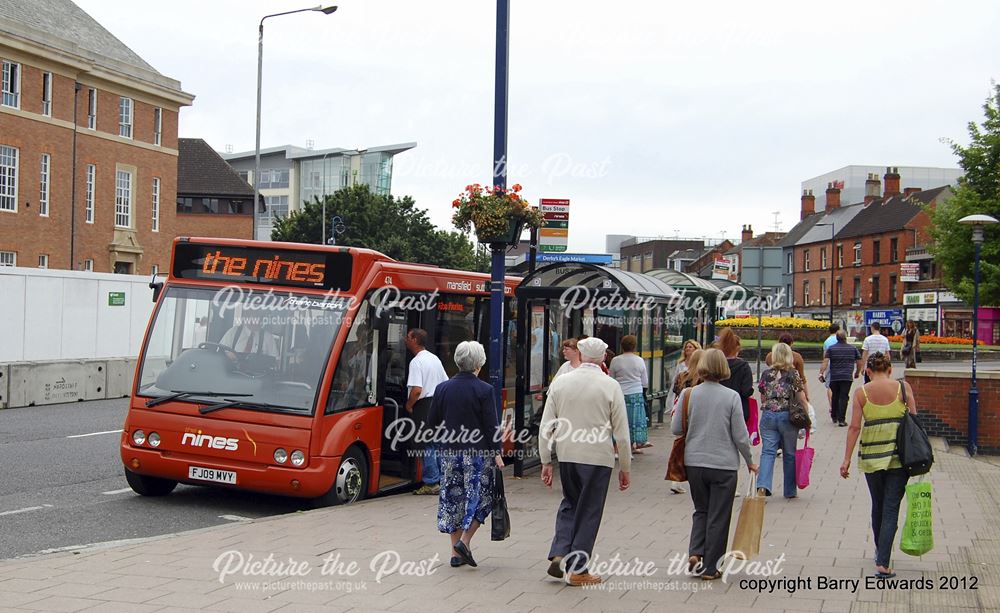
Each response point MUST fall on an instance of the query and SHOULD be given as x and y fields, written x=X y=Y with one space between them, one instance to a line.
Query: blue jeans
x=887 y=488
x=777 y=433
x=431 y=474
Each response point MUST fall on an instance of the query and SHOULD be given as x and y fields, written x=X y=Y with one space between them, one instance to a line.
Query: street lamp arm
x=320 y=8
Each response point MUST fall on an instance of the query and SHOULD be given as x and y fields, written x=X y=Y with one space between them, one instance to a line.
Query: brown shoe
x=554 y=569
x=585 y=578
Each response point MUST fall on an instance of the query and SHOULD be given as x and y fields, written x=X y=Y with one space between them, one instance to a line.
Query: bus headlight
x=138 y=437
x=280 y=455
x=298 y=458
x=154 y=439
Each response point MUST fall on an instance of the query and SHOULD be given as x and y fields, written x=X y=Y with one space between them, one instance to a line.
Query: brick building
x=641 y=255
x=212 y=198
x=851 y=255
x=88 y=145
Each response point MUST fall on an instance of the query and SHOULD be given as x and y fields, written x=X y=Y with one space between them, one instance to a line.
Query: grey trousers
x=713 y=492
x=585 y=488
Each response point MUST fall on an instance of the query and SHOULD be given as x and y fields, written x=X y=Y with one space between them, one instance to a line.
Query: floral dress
x=466 y=491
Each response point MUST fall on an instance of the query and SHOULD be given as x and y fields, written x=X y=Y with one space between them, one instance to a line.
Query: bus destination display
x=313 y=269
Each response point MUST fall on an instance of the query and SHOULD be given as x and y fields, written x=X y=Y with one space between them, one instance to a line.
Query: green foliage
x=393 y=226
x=978 y=192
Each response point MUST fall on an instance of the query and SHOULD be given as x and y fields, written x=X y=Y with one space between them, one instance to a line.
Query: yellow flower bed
x=773 y=322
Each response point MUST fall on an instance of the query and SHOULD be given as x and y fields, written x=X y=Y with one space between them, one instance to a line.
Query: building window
x=857 y=254
x=43 y=261
x=156 y=204
x=92 y=108
x=877 y=252
x=89 y=194
x=791 y=263
x=157 y=126
x=822 y=258
x=47 y=94
x=876 y=293
x=840 y=256
x=856 y=299
x=8 y=178
x=892 y=288
x=277 y=206
x=123 y=199
x=11 y=84
x=8 y=258
x=245 y=175
x=822 y=291
x=894 y=250
x=88 y=265
x=840 y=291
x=43 y=186
x=125 y=117
x=273 y=179
x=788 y=295
x=805 y=293
x=805 y=260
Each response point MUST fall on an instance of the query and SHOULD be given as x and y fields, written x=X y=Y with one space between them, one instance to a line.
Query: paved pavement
x=376 y=555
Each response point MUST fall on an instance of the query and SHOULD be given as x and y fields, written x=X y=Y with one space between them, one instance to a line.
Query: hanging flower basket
x=497 y=215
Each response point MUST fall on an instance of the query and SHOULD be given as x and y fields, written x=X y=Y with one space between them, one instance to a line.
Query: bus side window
x=350 y=381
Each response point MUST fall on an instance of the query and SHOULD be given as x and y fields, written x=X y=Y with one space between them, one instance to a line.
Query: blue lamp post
x=977 y=222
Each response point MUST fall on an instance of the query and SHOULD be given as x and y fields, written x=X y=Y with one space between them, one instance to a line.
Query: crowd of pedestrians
x=711 y=408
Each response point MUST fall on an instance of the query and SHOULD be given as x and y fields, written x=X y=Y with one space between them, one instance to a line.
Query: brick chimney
x=747 y=233
x=873 y=188
x=891 y=181
x=808 y=203
x=909 y=191
x=832 y=197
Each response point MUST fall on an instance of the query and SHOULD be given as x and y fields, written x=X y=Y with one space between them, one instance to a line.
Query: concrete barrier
x=120 y=375
x=4 y=387
x=37 y=383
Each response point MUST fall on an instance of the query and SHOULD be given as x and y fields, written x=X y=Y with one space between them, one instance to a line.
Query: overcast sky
x=653 y=118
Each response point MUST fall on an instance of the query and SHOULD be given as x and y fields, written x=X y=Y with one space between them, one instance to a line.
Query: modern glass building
x=292 y=175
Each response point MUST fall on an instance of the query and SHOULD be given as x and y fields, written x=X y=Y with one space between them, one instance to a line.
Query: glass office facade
x=319 y=176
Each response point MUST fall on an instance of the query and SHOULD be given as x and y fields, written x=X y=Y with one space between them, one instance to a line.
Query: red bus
x=280 y=367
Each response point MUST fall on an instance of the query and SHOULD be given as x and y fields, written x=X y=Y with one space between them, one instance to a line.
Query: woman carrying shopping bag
x=878 y=410
x=716 y=437
x=780 y=387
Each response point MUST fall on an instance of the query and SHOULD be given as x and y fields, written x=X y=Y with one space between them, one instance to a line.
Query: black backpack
x=912 y=444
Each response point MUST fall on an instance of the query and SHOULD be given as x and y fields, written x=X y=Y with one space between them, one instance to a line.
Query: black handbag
x=500 y=526
x=798 y=414
x=912 y=443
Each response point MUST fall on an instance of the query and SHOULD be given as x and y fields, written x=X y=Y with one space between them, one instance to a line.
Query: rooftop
x=202 y=171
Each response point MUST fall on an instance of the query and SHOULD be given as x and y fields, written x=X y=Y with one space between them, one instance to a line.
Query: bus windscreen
x=282 y=267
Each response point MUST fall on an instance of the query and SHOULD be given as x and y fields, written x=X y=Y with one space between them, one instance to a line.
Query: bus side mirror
x=157 y=287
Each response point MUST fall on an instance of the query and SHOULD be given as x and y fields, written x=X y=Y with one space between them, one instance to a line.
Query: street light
x=833 y=233
x=260 y=69
x=977 y=222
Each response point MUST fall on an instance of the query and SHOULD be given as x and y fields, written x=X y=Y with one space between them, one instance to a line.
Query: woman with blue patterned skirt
x=630 y=371
x=464 y=418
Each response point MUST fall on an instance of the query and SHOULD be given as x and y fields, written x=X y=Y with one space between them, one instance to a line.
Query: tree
x=393 y=226
x=978 y=191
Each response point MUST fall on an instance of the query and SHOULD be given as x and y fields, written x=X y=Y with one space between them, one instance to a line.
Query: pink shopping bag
x=753 y=423
x=803 y=463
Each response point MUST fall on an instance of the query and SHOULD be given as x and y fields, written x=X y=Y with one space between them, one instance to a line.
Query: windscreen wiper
x=230 y=403
x=152 y=402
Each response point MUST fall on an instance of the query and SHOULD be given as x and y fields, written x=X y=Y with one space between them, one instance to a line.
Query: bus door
x=396 y=465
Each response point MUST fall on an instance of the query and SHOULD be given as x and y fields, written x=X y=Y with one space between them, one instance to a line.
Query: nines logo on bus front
x=265 y=268
x=197 y=439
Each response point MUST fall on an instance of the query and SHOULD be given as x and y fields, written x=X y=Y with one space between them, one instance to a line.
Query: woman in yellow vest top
x=881 y=405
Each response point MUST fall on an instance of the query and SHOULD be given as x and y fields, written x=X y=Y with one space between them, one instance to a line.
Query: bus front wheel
x=145 y=485
x=350 y=484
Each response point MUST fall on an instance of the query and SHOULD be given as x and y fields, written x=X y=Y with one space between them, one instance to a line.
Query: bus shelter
x=698 y=303
x=570 y=300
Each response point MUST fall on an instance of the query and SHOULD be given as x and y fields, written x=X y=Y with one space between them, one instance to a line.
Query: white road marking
x=26 y=510
x=93 y=434
x=234 y=518
x=121 y=491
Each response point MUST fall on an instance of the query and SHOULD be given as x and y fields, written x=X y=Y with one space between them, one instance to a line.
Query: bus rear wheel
x=350 y=484
x=145 y=485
